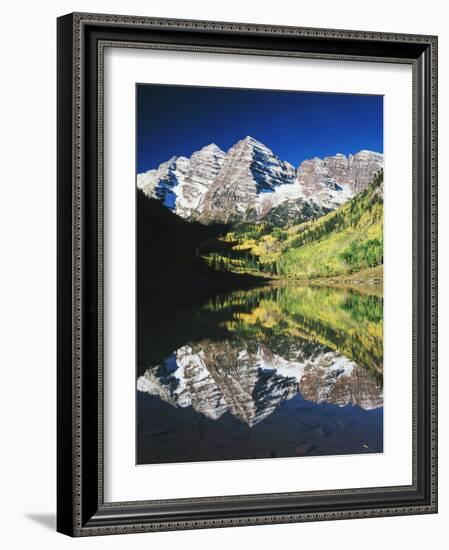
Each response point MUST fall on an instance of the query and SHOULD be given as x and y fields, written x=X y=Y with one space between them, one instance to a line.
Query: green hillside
x=345 y=241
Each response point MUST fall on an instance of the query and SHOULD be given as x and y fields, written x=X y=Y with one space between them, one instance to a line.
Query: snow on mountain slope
x=334 y=180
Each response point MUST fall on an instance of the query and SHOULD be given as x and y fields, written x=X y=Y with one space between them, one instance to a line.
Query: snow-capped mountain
x=249 y=171
x=181 y=183
x=252 y=183
x=251 y=383
x=335 y=179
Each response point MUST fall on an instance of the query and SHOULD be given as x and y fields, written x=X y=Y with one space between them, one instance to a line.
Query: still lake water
x=277 y=371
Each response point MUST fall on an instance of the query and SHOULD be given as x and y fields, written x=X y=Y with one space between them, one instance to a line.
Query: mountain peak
x=251 y=142
x=252 y=146
x=367 y=153
x=213 y=147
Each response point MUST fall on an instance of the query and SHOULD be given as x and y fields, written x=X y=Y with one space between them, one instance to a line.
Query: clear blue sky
x=178 y=120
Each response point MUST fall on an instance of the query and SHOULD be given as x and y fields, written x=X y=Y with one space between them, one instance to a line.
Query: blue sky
x=178 y=120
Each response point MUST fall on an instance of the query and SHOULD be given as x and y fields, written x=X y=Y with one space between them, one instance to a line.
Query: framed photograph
x=247 y=284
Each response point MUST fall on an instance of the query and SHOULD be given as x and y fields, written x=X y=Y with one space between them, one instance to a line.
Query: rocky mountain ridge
x=251 y=183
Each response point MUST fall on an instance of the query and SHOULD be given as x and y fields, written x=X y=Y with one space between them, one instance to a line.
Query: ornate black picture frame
x=81 y=509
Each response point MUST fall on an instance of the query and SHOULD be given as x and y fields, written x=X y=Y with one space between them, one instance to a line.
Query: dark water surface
x=277 y=371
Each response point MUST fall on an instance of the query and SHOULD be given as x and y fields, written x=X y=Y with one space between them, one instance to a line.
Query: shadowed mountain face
x=170 y=270
x=250 y=182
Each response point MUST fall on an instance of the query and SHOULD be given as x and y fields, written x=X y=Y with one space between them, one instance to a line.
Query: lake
x=274 y=371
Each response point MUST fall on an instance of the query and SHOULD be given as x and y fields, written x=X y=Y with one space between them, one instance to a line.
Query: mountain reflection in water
x=252 y=352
